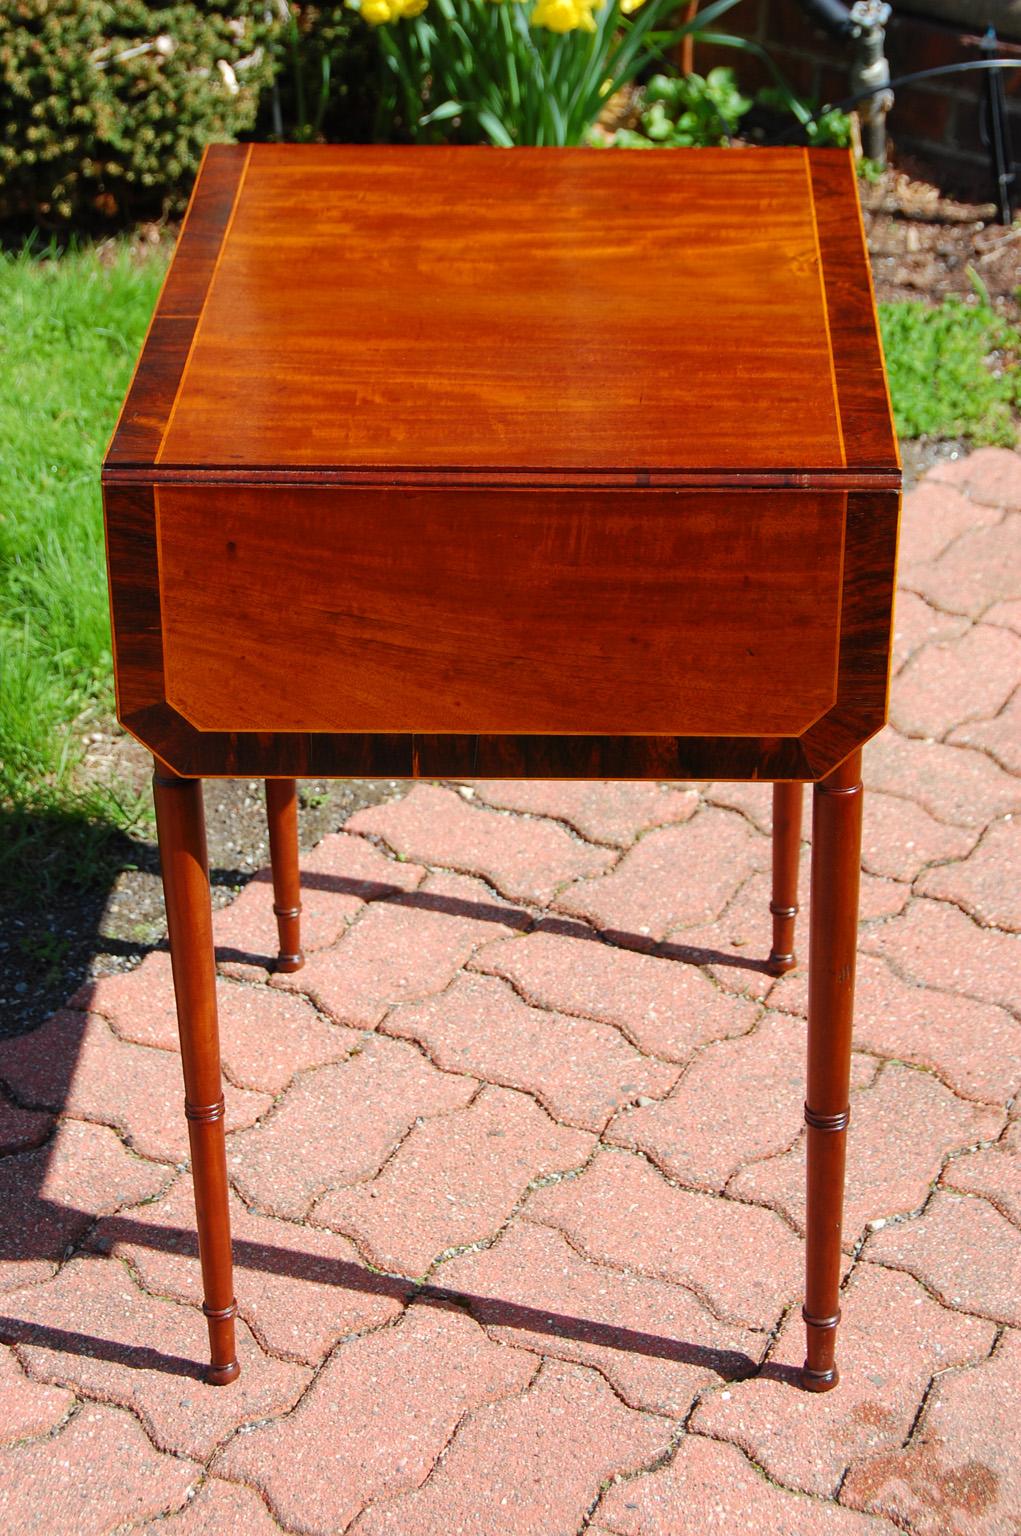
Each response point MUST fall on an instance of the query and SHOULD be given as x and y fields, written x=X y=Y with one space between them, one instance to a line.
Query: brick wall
x=935 y=120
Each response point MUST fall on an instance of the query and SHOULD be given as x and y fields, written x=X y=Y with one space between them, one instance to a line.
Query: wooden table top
x=363 y=314
x=470 y=462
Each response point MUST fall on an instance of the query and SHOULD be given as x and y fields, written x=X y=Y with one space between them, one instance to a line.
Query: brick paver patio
x=518 y=1164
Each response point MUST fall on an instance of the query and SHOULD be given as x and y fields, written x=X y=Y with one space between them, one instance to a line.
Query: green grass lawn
x=70 y=329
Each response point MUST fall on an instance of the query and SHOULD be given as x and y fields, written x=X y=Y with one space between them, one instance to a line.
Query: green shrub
x=106 y=105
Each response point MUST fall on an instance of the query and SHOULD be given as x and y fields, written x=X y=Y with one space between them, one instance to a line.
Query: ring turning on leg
x=833 y=937
x=282 y=815
x=182 y=838
x=787 y=802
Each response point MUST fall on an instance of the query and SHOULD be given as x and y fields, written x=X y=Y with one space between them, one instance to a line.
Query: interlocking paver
x=738 y=1101
x=753 y=800
x=453 y=1181
x=99 y=1473
x=673 y=877
x=337 y=877
x=527 y=1467
x=711 y=1488
x=935 y=514
x=217 y=1509
x=974 y=1047
x=50 y=1197
x=901 y=1127
x=376 y=1419
x=992 y=477
x=92 y=1329
x=955 y=784
x=338 y=1124
x=963 y=1250
x=956 y=680
x=745 y=1262
x=893 y=1338
x=935 y=943
x=917 y=623
x=1007 y=613
x=1000 y=736
x=428 y=1087
x=977 y=882
x=612 y=813
x=265 y=1035
x=299 y=1288
x=75 y=1062
x=525 y=858
x=21 y=1129
x=27 y=1408
x=666 y=1008
x=655 y=1343
x=404 y=948
x=734 y=947
x=879 y=898
x=581 y=1071
x=974 y=572
x=899 y=838
x=994 y=1172
x=960 y=1474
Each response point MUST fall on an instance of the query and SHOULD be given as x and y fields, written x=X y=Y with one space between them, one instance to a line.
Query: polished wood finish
x=833 y=944
x=282 y=817
x=458 y=617
x=456 y=463
x=184 y=865
x=145 y=637
x=465 y=442
x=787 y=805
x=602 y=292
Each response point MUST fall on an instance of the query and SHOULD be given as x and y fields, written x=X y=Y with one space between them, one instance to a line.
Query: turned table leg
x=282 y=814
x=833 y=938
x=180 y=824
x=787 y=801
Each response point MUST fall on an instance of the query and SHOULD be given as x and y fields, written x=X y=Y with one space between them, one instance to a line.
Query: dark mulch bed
x=923 y=244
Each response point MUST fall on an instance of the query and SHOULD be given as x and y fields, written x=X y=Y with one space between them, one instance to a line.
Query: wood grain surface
x=539 y=463
x=354 y=309
x=864 y=605
x=640 y=612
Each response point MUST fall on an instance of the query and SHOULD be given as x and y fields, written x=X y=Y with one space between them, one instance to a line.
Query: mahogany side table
x=458 y=462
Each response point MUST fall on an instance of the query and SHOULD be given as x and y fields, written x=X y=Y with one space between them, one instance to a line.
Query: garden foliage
x=512 y=72
x=954 y=370
x=106 y=105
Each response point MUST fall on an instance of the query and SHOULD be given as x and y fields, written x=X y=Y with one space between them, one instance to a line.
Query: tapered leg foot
x=180 y=825
x=282 y=815
x=833 y=941
x=787 y=802
x=221 y=1345
x=819 y=1381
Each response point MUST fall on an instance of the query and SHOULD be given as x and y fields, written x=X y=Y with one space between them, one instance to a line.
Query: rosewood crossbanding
x=536 y=463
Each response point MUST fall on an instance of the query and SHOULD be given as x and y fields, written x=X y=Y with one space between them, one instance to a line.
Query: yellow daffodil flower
x=378 y=12
x=565 y=15
x=628 y=7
